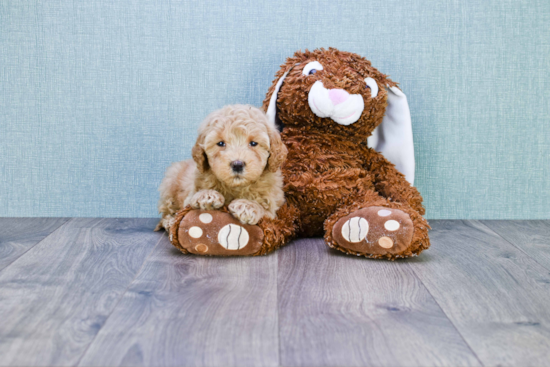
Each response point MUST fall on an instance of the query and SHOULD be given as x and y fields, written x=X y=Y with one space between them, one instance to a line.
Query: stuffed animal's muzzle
x=337 y=104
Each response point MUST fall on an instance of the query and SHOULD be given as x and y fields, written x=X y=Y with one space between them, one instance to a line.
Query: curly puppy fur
x=251 y=189
x=330 y=171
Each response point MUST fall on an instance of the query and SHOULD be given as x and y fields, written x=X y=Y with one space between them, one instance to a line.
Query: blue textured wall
x=98 y=97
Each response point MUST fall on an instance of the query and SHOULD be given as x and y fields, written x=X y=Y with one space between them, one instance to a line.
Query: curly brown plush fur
x=330 y=171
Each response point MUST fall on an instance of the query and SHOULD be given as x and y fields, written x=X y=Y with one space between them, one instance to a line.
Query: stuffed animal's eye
x=311 y=68
x=371 y=84
x=221 y=144
x=253 y=143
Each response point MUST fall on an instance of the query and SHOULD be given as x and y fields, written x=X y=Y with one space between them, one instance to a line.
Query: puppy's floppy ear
x=200 y=158
x=278 y=151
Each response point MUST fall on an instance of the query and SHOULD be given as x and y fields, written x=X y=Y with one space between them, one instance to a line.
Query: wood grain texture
x=530 y=236
x=18 y=235
x=56 y=297
x=338 y=310
x=186 y=310
x=97 y=292
x=496 y=295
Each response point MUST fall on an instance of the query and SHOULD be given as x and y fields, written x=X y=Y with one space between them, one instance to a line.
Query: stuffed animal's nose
x=338 y=96
x=237 y=166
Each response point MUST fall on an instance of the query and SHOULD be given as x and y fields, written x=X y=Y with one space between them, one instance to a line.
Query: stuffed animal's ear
x=277 y=151
x=271 y=110
x=200 y=158
x=393 y=137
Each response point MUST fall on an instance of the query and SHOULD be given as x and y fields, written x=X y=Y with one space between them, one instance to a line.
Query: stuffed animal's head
x=330 y=91
x=341 y=93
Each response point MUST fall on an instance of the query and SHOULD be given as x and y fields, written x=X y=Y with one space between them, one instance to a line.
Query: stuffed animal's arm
x=391 y=183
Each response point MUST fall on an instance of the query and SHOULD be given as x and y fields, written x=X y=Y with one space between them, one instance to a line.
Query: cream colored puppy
x=236 y=162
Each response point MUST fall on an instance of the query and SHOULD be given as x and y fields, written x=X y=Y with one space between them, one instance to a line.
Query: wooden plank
x=494 y=294
x=530 y=236
x=338 y=310
x=18 y=235
x=186 y=310
x=55 y=298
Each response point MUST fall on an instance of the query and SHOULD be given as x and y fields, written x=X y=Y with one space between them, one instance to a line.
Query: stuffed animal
x=349 y=170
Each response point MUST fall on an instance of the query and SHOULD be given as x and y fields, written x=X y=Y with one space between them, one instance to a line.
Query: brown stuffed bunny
x=328 y=103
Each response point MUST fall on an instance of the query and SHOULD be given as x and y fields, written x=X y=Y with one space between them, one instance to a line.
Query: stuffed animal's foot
x=215 y=233
x=374 y=232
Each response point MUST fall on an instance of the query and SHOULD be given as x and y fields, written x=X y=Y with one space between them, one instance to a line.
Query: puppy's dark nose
x=237 y=166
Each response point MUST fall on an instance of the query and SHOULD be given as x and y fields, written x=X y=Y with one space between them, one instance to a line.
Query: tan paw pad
x=201 y=248
x=385 y=242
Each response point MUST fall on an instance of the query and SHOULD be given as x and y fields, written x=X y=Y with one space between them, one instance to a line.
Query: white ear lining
x=373 y=86
x=272 y=107
x=393 y=137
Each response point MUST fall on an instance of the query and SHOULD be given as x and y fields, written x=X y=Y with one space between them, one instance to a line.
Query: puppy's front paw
x=207 y=200
x=248 y=212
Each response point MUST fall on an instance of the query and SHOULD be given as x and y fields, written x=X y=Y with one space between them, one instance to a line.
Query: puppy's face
x=333 y=92
x=237 y=144
x=237 y=152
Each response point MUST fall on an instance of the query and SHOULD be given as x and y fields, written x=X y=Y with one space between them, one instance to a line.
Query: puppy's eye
x=311 y=68
x=253 y=143
x=221 y=144
x=371 y=84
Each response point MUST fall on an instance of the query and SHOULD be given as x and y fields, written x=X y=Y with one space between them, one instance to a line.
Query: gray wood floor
x=112 y=292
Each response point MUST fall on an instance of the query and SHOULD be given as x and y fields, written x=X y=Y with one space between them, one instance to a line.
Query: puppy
x=236 y=162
